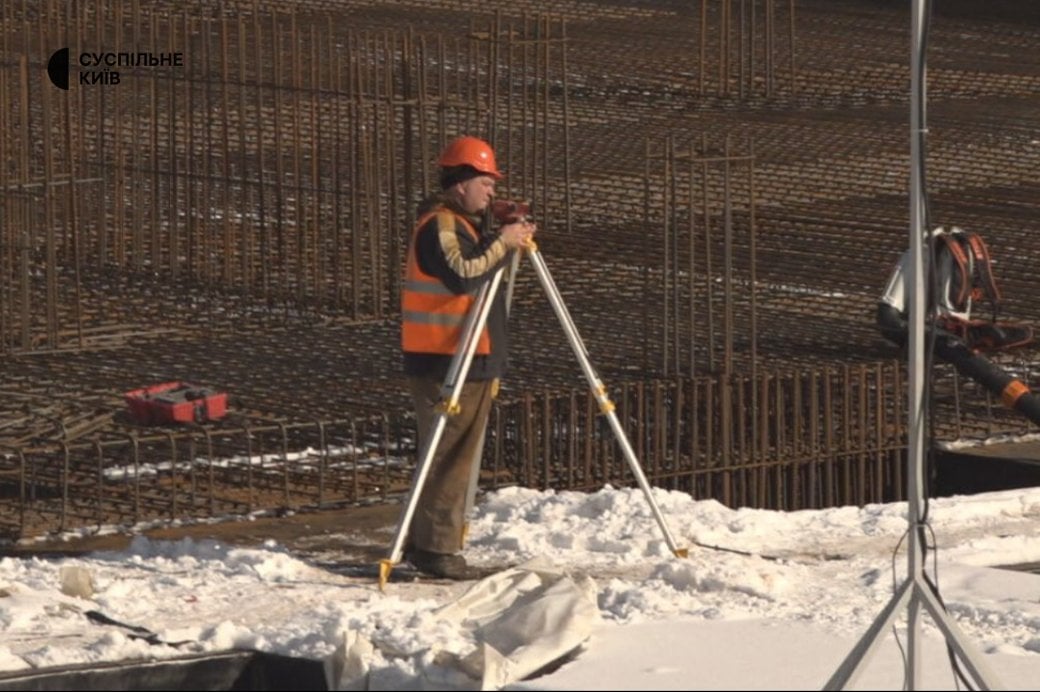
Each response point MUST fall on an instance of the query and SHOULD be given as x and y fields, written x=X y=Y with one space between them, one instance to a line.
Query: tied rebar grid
x=814 y=438
x=233 y=470
x=786 y=440
x=274 y=172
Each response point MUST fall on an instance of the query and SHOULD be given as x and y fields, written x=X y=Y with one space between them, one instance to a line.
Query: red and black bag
x=973 y=279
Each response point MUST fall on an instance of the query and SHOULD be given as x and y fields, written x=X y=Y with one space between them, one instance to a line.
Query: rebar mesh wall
x=787 y=440
x=270 y=162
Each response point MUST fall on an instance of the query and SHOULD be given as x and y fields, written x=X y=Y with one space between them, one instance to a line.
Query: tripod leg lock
x=606 y=406
x=448 y=408
x=385 y=566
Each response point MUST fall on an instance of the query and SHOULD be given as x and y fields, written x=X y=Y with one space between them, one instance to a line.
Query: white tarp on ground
x=521 y=619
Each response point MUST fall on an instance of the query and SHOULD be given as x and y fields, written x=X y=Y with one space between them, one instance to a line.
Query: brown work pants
x=440 y=515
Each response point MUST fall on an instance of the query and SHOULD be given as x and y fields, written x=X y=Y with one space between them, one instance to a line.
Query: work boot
x=445 y=565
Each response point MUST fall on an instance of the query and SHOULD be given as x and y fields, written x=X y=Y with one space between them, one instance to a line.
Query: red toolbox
x=176 y=402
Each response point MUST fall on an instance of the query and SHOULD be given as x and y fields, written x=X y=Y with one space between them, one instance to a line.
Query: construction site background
x=721 y=187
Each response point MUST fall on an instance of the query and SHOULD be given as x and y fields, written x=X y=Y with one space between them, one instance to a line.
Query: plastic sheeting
x=522 y=620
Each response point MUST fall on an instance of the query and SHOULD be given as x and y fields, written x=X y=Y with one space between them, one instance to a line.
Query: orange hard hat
x=470 y=151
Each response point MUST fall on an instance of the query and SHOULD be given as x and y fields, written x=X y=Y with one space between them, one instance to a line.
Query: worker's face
x=476 y=194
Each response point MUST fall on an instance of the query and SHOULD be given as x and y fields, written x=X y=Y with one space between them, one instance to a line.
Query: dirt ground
x=360 y=535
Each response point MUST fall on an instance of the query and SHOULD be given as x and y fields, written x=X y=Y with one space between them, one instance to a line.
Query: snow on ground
x=765 y=600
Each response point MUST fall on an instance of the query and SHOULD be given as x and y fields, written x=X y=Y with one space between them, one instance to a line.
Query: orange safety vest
x=431 y=314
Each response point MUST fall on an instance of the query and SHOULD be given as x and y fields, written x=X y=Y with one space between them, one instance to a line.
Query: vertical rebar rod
x=668 y=199
x=6 y=243
x=770 y=45
x=568 y=200
x=297 y=270
x=226 y=271
x=645 y=269
x=742 y=44
x=692 y=265
x=262 y=226
x=192 y=251
x=723 y=86
x=73 y=231
x=702 y=65
x=727 y=260
x=119 y=242
x=752 y=25
x=709 y=297
x=281 y=270
x=49 y=234
x=25 y=228
x=173 y=203
x=208 y=238
x=791 y=43
x=673 y=268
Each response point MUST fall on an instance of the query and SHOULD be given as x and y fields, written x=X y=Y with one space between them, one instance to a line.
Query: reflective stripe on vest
x=432 y=315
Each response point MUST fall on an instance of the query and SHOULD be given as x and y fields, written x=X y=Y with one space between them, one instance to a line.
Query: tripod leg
x=452 y=388
x=514 y=265
x=968 y=655
x=600 y=391
x=851 y=667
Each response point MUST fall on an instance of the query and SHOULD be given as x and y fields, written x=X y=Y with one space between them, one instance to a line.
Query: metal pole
x=915 y=590
x=916 y=363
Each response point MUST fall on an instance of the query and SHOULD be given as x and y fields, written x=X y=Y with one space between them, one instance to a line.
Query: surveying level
x=451 y=390
x=510 y=211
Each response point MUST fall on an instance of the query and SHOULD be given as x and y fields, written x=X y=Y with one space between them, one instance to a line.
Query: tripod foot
x=682 y=552
x=385 y=567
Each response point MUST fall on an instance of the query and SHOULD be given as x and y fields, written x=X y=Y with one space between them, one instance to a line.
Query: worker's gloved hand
x=517 y=234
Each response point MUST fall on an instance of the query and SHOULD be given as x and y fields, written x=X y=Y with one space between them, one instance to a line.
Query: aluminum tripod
x=452 y=389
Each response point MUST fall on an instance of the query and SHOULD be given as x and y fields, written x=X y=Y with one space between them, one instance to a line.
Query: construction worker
x=961 y=276
x=452 y=253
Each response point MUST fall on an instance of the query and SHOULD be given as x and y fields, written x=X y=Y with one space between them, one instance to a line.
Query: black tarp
x=234 y=670
x=964 y=473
